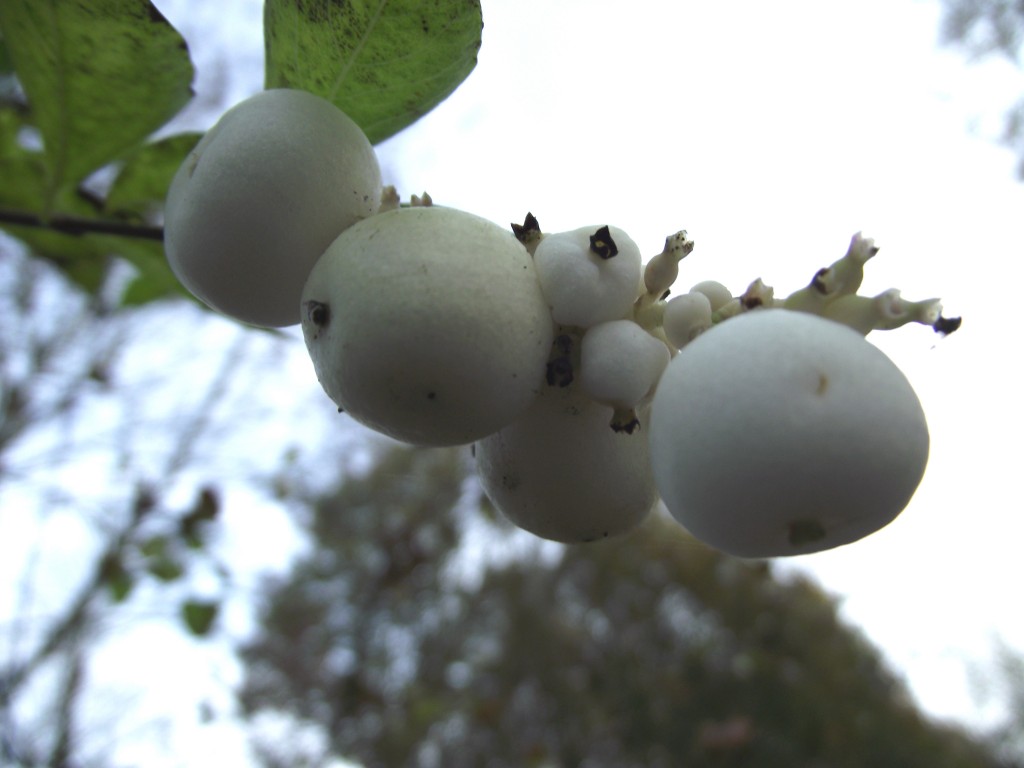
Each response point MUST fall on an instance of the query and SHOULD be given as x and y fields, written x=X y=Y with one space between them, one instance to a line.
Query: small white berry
x=716 y=293
x=685 y=318
x=561 y=473
x=589 y=275
x=620 y=363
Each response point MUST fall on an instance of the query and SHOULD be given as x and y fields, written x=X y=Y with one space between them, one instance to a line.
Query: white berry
x=686 y=317
x=428 y=325
x=782 y=433
x=716 y=293
x=620 y=363
x=261 y=196
x=589 y=275
x=561 y=473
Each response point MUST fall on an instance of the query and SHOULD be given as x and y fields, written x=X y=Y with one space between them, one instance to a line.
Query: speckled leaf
x=385 y=63
x=100 y=76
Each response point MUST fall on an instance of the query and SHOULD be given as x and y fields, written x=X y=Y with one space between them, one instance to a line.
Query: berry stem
x=663 y=269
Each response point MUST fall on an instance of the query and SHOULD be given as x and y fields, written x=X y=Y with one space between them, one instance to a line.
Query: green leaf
x=23 y=171
x=385 y=63
x=160 y=559
x=155 y=546
x=192 y=526
x=153 y=281
x=153 y=278
x=207 y=506
x=141 y=186
x=166 y=569
x=8 y=82
x=100 y=76
x=117 y=579
x=84 y=258
x=199 y=616
x=77 y=257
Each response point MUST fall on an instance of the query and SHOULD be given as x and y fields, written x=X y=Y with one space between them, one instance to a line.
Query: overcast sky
x=771 y=132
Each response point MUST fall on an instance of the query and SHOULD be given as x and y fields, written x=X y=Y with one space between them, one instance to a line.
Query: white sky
x=771 y=132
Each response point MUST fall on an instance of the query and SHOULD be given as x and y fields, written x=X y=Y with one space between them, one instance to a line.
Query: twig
x=76 y=225
x=64 y=742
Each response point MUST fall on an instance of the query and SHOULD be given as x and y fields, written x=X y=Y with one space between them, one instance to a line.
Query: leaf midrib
x=343 y=74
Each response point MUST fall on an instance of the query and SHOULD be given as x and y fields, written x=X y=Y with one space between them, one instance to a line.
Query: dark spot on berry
x=559 y=368
x=602 y=244
x=559 y=373
x=319 y=314
x=563 y=343
x=431 y=395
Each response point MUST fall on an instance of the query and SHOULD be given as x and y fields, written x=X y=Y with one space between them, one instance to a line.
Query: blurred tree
x=1002 y=681
x=1009 y=736
x=991 y=27
x=984 y=27
x=107 y=491
x=650 y=650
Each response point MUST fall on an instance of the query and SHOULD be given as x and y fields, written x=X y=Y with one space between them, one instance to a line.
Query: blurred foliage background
x=649 y=650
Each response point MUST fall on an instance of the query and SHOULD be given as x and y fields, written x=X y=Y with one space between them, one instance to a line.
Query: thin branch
x=198 y=425
x=20 y=621
x=73 y=622
x=79 y=612
x=64 y=742
x=76 y=225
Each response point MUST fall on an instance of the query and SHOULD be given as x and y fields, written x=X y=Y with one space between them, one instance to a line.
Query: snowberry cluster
x=766 y=426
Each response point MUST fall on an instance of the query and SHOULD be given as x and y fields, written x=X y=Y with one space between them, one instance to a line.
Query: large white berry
x=589 y=275
x=562 y=473
x=261 y=196
x=428 y=324
x=780 y=433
